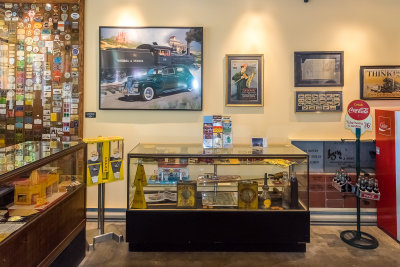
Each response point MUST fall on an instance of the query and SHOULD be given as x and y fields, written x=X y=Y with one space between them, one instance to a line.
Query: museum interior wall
x=366 y=30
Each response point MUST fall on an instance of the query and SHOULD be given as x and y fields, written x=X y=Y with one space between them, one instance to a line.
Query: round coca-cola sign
x=358 y=110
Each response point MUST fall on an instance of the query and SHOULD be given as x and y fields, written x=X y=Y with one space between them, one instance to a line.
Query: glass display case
x=42 y=201
x=240 y=197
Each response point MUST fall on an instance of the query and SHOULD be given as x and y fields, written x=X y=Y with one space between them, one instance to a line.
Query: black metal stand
x=357 y=238
x=100 y=221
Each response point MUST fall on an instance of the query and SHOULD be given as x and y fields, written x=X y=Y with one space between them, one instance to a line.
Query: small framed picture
x=244 y=80
x=379 y=82
x=319 y=101
x=318 y=69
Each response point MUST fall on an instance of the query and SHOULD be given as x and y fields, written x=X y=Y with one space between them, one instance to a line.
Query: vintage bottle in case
x=376 y=188
x=264 y=201
x=294 y=193
x=285 y=191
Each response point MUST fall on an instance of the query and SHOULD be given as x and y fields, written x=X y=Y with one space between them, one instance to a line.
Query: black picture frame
x=150 y=68
x=318 y=69
x=380 y=82
x=251 y=91
x=319 y=101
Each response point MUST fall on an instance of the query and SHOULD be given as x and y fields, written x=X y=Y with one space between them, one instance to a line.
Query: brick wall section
x=323 y=195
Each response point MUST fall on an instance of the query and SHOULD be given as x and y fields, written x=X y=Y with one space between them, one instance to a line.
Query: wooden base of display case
x=217 y=230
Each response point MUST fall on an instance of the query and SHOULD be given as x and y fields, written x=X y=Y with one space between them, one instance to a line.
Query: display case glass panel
x=240 y=178
x=35 y=176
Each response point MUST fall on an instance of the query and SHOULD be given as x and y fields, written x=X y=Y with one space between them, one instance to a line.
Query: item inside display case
x=252 y=182
x=170 y=171
x=30 y=193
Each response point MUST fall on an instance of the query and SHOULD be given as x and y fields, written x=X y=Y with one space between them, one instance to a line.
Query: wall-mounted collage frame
x=380 y=82
x=41 y=71
x=319 y=101
x=151 y=68
x=318 y=69
x=244 y=80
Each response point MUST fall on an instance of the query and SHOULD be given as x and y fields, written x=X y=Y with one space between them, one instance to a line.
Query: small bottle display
x=264 y=201
x=336 y=178
x=376 y=188
x=363 y=184
x=370 y=185
x=285 y=190
x=348 y=184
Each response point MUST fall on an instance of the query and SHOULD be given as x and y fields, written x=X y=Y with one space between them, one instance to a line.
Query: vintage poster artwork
x=380 y=82
x=318 y=69
x=155 y=68
x=244 y=80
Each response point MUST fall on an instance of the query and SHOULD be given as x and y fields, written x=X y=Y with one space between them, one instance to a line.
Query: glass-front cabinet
x=217 y=198
x=42 y=200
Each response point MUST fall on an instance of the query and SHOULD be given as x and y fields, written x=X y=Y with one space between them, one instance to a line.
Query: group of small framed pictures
x=318 y=69
x=325 y=69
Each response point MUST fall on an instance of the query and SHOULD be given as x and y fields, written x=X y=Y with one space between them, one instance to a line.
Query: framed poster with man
x=244 y=80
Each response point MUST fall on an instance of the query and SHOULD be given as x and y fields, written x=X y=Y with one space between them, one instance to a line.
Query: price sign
x=358 y=116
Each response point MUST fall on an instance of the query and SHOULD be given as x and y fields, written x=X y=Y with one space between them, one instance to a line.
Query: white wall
x=368 y=31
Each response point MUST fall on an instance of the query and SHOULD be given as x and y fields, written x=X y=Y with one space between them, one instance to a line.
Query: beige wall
x=368 y=31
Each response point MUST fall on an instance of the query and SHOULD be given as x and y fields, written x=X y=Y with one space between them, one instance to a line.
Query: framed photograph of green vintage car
x=244 y=80
x=151 y=68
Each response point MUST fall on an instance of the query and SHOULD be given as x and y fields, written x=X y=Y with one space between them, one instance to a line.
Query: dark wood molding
x=57 y=251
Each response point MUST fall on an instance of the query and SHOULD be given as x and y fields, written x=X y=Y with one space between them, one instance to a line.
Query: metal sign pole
x=357 y=238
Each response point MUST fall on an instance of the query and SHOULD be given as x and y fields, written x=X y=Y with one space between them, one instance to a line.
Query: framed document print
x=318 y=69
x=379 y=82
x=151 y=68
x=244 y=80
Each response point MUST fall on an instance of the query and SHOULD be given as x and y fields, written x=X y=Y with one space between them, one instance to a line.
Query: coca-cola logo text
x=358 y=110
x=383 y=125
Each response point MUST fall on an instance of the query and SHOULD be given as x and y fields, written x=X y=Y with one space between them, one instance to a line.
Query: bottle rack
x=356 y=238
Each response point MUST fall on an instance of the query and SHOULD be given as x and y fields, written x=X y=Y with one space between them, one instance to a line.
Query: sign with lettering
x=315 y=150
x=343 y=154
x=90 y=114
x=329 y=156
x=358 y=116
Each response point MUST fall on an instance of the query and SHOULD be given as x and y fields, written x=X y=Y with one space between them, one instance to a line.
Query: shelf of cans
x=39 y=72
x=366 y=187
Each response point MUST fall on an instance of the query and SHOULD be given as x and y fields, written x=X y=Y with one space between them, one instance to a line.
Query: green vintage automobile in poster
x=158 y=81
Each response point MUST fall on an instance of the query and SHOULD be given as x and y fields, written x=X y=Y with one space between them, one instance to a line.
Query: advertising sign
x=358 y=116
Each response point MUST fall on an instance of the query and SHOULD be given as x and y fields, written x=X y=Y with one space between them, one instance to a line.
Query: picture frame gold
x=379 y=82
x=244 y=80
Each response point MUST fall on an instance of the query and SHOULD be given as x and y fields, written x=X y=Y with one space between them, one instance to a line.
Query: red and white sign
x=358 y=116
x=369 y=195
x=384 y=126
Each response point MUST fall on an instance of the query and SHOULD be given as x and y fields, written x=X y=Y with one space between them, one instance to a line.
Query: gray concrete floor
x=325 y=249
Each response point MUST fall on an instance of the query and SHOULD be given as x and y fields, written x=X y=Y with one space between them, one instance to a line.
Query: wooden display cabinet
x=52 y=227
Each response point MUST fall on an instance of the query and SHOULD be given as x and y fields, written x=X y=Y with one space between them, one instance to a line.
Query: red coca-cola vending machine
x=387 y=134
